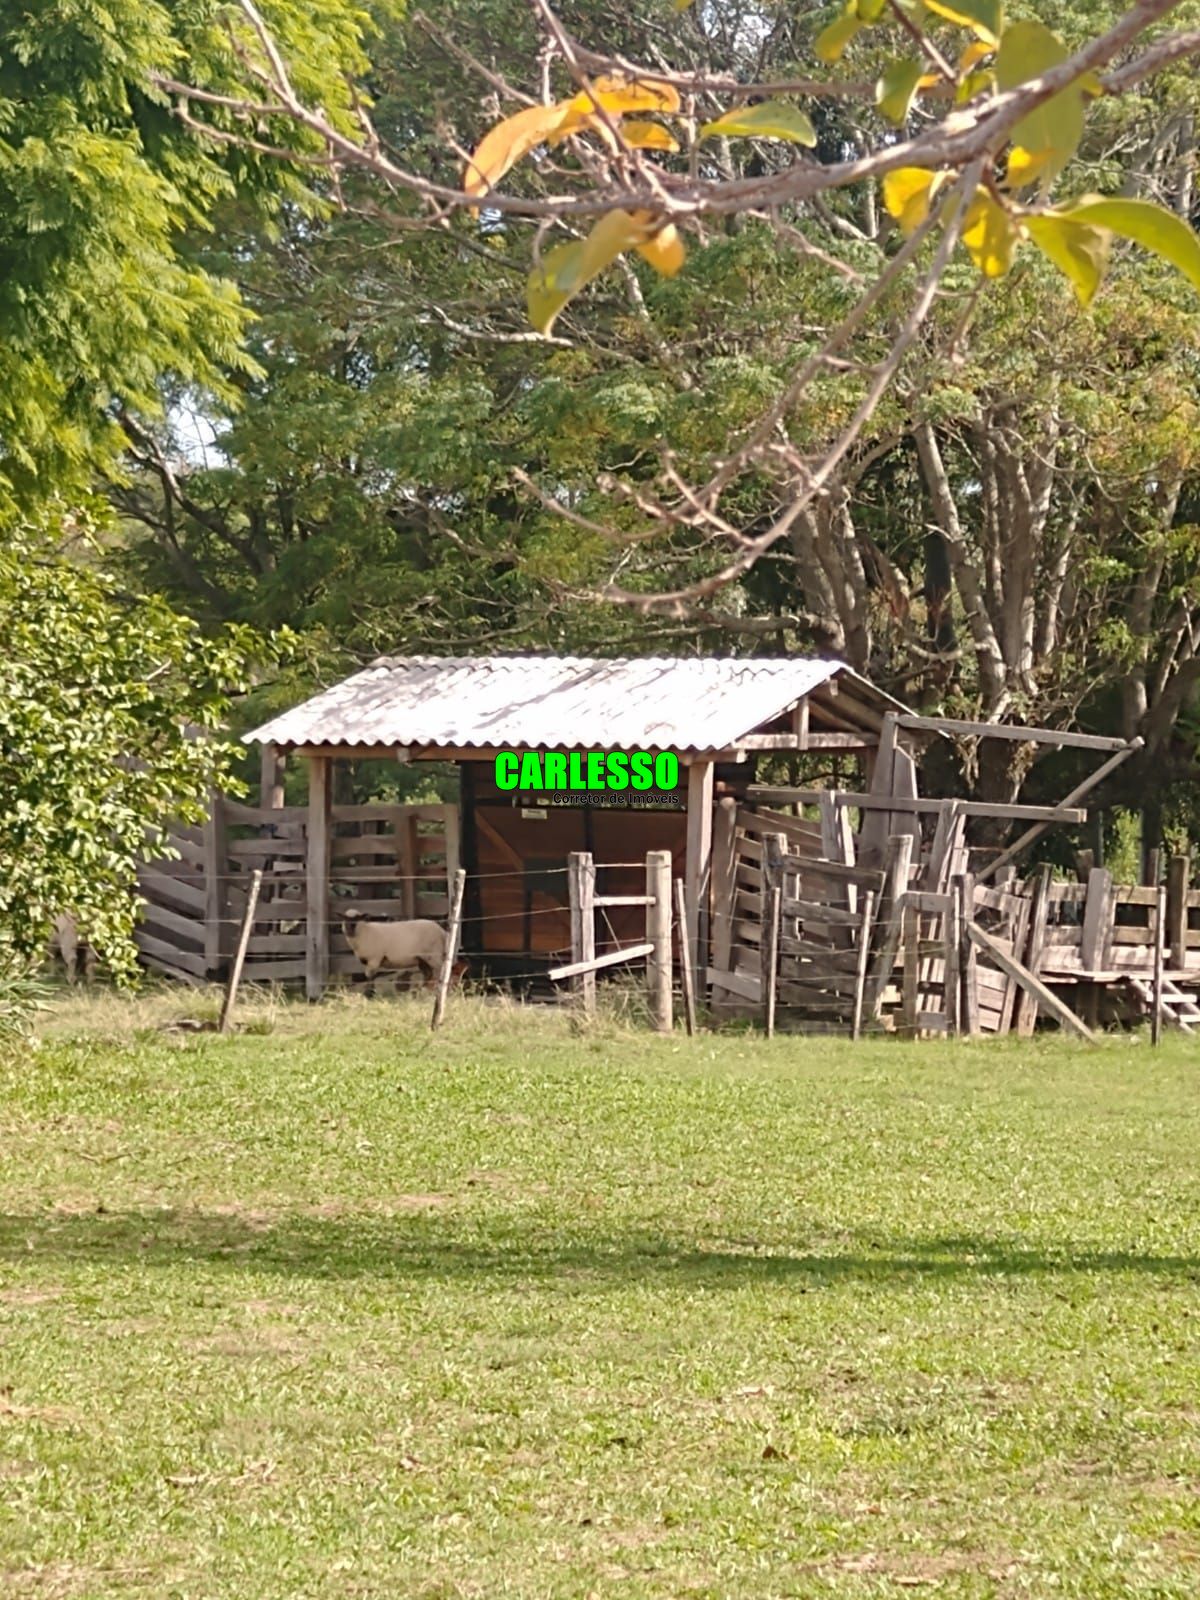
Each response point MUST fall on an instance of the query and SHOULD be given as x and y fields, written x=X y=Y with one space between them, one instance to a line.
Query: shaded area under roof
x=508 y=702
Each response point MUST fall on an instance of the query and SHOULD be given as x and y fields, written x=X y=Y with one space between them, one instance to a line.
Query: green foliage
x=100 y=187
x=111 y=707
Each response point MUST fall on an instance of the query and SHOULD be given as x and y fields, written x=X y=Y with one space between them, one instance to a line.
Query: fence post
x=1177 y=918
x=1160 y=930
x=896 y=873
x=774 y=853
x=685 y=962
x=235 y=976
x=860 y=973
x=658 y=933
x=581 y=889
x=968 y=966
x=449 y=955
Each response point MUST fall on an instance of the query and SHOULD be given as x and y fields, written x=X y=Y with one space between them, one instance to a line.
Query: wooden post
x=1151 y=870
x=1178 y=874
x=769 y=954
x=1019 y=926
x=968 y=966
x=319 y=830
x=724 y=881
x=873 y=836
x=658 y=934
x=216 y=884
x=910 y=992
x=860 y=973
x=409 y=851
x=685 y=961
x=270 y=784
x=1160 y=939
x=952 y=937
x=698 y=871
x=239 y=960
x=1027 y=1006
x=581 y=889
x=896 y=873
x=1098 y=910
x=449 y=956
x=451 y=824
x=774 y=855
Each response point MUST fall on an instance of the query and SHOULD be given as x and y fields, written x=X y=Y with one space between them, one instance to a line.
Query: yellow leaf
x=990 y=236
x=974 y=54
x=770 y=119
x=664 y=251
x=907 y=194
x=648 y=136
x=1151 y=226
x=567 y=268
x=983 y=17
x=831 y=42
x=510 y=140
x=618 y=96
x=1024 y=167
x=682 y=5
x=896 y=89
x=1076 y=248
x=1051 y=132
x=553 y=283
x=868 y=10
x=974 y=83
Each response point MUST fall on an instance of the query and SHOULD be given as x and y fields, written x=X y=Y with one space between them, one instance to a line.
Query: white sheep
x=400 y=945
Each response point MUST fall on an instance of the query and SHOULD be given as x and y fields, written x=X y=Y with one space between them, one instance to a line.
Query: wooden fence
x=386 y=860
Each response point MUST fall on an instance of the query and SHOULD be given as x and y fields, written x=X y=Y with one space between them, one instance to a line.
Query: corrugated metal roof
x=651 y=702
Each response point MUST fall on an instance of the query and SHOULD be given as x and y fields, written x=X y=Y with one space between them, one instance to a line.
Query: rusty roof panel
x=506 y=702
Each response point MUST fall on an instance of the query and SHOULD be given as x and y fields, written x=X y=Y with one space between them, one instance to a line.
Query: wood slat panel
x=157 y=886
x=173 y=926
x=189 y=960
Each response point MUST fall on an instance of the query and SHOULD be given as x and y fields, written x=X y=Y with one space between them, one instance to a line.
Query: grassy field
x=328 y=1309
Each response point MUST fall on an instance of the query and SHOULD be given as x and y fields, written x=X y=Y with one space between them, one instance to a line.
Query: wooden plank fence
x=385 y=860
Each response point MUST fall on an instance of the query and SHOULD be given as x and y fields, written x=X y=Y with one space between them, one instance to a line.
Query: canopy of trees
x=830 y=384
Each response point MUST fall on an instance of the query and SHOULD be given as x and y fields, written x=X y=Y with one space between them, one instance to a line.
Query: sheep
x=68 y=944
x=399 y=945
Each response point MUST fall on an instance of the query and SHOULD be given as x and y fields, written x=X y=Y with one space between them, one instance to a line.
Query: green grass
x=336 y=1311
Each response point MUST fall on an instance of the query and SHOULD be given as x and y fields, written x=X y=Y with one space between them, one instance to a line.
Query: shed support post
x=270 y=787
x=316 y=950
x=724 y=879
x=699 y=866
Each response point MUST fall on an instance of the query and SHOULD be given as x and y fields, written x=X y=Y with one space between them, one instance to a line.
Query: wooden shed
x=717 y=716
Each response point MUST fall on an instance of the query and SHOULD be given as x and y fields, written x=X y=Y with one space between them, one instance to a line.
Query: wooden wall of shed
x=516 y=864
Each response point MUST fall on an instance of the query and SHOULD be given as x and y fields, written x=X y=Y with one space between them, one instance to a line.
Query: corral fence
x=386 y=860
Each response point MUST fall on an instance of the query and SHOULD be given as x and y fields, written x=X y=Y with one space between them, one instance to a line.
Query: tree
x=681 y=528
x=111 y=707
x=100 y=189
x=103 y=308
